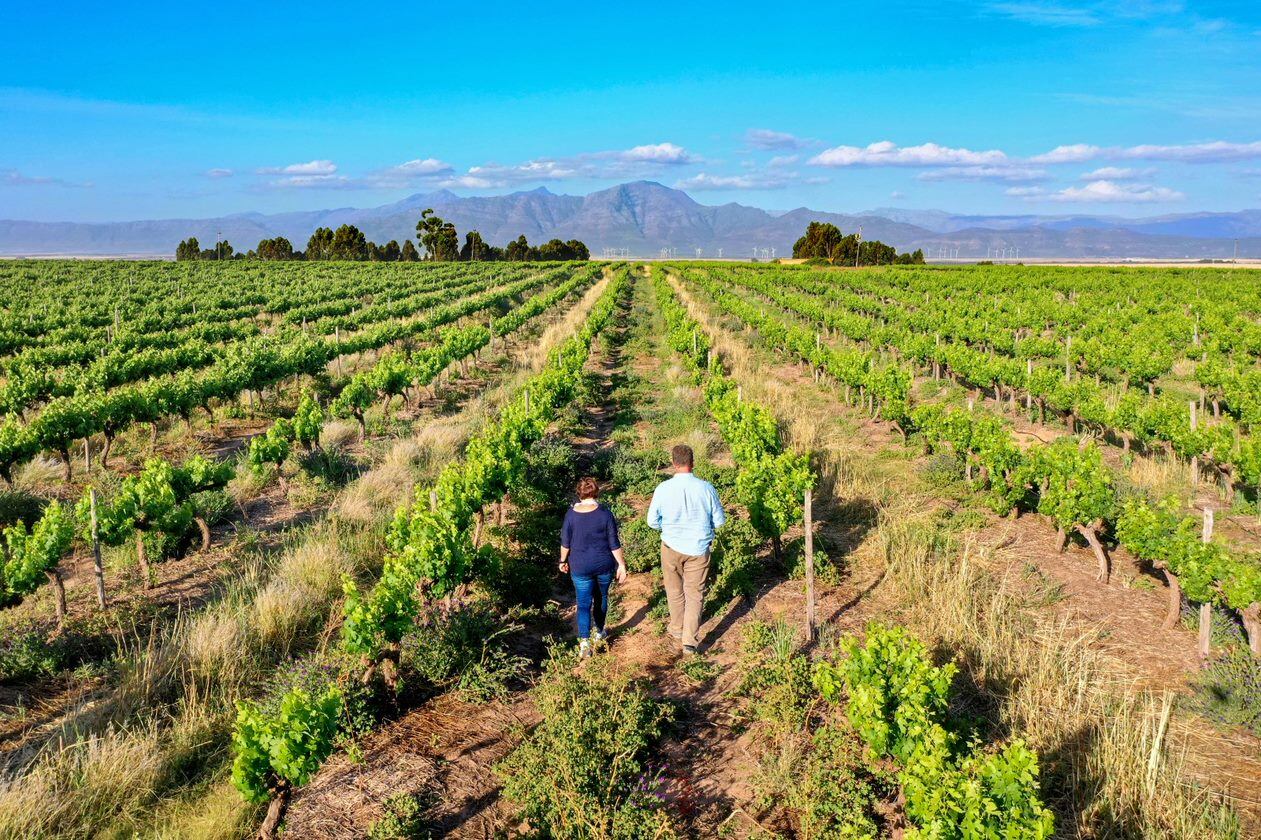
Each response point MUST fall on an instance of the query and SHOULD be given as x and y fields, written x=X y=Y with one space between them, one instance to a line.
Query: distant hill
x=645 y=217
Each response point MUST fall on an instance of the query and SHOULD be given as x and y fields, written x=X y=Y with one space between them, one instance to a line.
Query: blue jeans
x=593 y=601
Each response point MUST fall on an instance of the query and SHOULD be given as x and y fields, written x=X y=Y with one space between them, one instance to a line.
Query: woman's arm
x=615 y=546
x=566 y=537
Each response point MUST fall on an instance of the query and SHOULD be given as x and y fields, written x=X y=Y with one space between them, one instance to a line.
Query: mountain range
x=645 y=217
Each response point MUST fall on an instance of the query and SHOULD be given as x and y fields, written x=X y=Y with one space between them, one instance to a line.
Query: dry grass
x=247 y=485
x=564 y=328
x=1108 y=761
x=77 y=792
x=1160 y=476
x=42 y=474
x=339 y=434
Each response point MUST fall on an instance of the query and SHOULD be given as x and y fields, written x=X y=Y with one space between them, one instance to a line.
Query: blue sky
x=149 y=110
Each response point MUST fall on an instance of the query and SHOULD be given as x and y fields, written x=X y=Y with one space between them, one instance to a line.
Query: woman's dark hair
x=588 y=488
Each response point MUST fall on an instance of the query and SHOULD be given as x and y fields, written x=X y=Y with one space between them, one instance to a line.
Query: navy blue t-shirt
x=591 y=538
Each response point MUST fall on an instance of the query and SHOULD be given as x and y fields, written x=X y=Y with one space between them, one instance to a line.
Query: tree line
x=824 y=241
x=438 y=238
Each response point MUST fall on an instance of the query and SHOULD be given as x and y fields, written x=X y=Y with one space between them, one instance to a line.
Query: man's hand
x=564 y=567
x=621 y=573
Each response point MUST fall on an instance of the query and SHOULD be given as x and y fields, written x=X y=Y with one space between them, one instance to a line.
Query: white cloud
x=1101 y=192
x=1216 y=151
x=420 y=171
x=470 y=182
x=637 y=161
x=784 y=160
x=311 y=167
x=331 y=182
x=1075 y=153
x=1065 y=13
x=218 y=172
x=667 y=153
x=14 y=178
x=887 y=153
x=1116 y=173
x=421 y=167
x=1047 y=14
x=984 y=173
x=897 y=195
x=500 y=175
x=706 y=181
x=768 y=140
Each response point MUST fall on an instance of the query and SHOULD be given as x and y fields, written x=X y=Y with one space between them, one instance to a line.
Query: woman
x=591 y=552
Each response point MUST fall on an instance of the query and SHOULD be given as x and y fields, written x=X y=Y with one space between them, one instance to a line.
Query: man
x=686 y=510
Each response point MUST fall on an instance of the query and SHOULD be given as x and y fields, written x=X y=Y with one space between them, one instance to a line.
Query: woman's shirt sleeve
x=615 y=541
x=567 y=530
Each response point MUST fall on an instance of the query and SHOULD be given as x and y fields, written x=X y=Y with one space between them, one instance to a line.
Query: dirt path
x=445 y=744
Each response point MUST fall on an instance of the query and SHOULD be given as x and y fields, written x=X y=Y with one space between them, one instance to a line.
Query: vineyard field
x=278 y=550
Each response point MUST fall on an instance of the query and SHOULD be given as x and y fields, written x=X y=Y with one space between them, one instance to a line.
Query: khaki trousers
x=684 y=576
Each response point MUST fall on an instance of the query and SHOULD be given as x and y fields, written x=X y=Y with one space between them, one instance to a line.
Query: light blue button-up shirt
x=687 y=511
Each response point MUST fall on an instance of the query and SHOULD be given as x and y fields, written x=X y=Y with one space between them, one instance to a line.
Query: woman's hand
x=621 y=572
x=564 y=567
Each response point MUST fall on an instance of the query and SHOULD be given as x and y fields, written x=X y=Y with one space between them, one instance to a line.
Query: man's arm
x=716 y=514
x=654 y=512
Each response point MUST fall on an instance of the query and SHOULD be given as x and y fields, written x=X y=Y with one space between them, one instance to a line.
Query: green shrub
x=638 y=472
x=735 y=557
x=641 y=545
x=582 y=773
x=464 y=646
x=405 y=818
x=1229 y=690
x=833 y=792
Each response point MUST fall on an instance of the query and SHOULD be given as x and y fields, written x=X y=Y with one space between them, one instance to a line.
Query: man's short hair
x=681 y=456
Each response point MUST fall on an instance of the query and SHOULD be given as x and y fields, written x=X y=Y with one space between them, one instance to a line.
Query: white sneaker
x=601 y=635
x=584 y=649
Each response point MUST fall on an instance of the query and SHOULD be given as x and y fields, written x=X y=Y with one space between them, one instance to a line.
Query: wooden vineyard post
x=807 y=509
x=1195 y=459
x=527 y=401
x=1068 y=359
x=337 y=348
x=98 y=568
x=1028 y=384
x=433 y=501
x=1206 y=608
x=1252 y=624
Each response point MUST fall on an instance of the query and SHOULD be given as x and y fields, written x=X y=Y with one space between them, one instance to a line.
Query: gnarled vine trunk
x=59 y=594
x=67 y=466
x=1090 y=534
x=1175 y=598
x=143 y=559
x=204 y=527
x=275 y=812
x=1252 y=625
